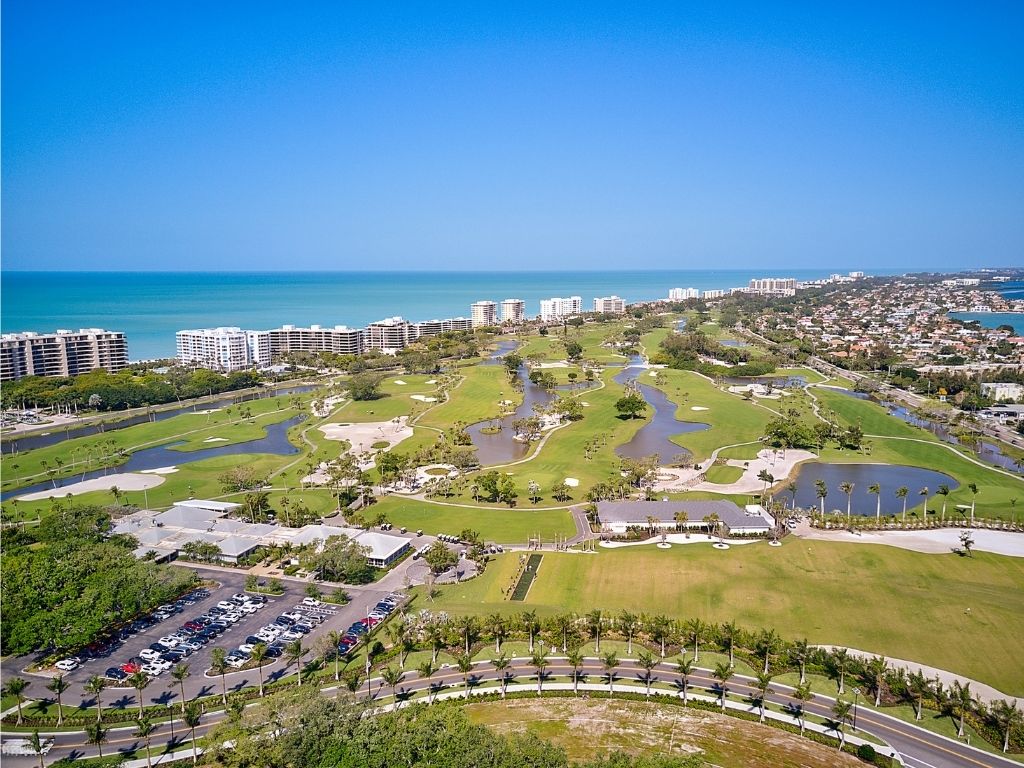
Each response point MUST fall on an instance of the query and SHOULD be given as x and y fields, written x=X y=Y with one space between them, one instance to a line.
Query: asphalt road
x=917 y=747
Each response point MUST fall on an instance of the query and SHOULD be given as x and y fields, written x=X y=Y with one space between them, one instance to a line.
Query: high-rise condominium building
x=513 y=311
x=223 y=349
x=484 y=313
x=389 y=335
x=557 y=308
x=682 y=294
x=340 y=339
x=64 y=353
x=611 y=305
x=784 y=286
x=714 y=294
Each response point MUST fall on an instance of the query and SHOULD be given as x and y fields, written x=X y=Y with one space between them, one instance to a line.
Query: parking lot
x=326 y=617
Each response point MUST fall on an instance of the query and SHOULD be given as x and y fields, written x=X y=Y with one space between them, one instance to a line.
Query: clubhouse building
x=623 y=516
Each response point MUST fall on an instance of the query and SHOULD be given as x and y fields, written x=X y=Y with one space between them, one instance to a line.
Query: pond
x=778 y=382
x=31 y=442
x=653 y=437
x=501 y=447
x=503 y=348
x=734 y=343
x=275 y=442
x=888 y=476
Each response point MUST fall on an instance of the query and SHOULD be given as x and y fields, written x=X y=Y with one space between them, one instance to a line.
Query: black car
x=157 y=647
x=173 y=656
x=284 y=621
x=274 y=651
x=114 y=673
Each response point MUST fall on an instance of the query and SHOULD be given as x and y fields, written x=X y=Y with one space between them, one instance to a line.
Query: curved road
x=917 y=747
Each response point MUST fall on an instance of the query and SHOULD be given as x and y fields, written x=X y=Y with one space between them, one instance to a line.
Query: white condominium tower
x=64 y=353
x=513 y=311
x=785 y=286
x=341 y=340
x=483 y=313
x=682 y=294
x=557 y=308
x=611 y=305
x=223 y=349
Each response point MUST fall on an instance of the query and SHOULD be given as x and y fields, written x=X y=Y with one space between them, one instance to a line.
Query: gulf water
x=151 y=306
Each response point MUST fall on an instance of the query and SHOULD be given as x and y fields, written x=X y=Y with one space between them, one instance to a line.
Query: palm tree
x=802 y=693
x=16 y=687
x=685 y=668
x=876 y=668
x=764 y=687
x=139 y=680
x=629 y=624
x=180 y=673
x=594 y=619
x=821 y=490
x=660 y=629
x=435 y=636
x=841 y=709
x=722 y=673
x=876 y=489
x=696 y=629
x=973 y=488
x=610 y=662
x=901 y=493
x=219 y=664
x=334 y=638
x=647 y=662
x=259 y=655
x=767 y=643
x=1007 y=716
x=799 y=652
x=924 y=492
x=469 y=628
x=191 y=716
x=539 y=662
x=917 y=684
x=294 y=652
x=944 y=492
x=144 y=730
x=728 y=633
x=94 y=687
x=426 y=671
x=465 y=664
x=575 y=661
x=840 y=657
x=501 y=665
x=498 y=628
x=393 y=677
x=847 y=488
x=96 y=734
x=792 y=488
x=562 y=623
x=37 y=746
x=58 y=685
x=963 y=701
x=528 y=621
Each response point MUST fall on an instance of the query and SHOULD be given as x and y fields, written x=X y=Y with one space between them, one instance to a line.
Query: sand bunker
x=361 y=437
x=128 y=481
x=697 y=408
x=572 y=482
x=159 y=471
x=399 y=382
x=431 y=381
x=424 y=398
x=215 y=440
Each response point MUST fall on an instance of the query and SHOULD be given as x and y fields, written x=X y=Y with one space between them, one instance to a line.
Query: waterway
x=888 y=476
x=274 y=442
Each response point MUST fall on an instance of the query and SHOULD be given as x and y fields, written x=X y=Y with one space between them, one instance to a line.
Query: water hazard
x=653 y=437
x=889 y=477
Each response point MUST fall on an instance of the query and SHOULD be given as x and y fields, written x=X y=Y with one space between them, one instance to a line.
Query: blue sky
x=194 y=135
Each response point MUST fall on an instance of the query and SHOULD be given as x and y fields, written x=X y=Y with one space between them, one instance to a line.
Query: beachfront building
x=513 y=311
x=610 y=305
x=483 y=313
x=389 y=335
x=63 y=353
x=435 y=327
x=682 y=294
x=553 y=310
x=714 y=294
x=223 y=349
x=340 y=339
x=622 y=516
x=773 y=286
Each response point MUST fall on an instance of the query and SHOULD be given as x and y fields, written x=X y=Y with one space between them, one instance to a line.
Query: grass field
x=876 y=598
x=502 y=526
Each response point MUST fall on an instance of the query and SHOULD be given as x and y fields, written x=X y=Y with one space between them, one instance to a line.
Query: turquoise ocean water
x=150 y=306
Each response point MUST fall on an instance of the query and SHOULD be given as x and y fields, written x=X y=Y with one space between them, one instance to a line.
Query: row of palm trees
x=821 y=491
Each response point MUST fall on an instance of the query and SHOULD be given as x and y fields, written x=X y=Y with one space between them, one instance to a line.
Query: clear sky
x=279 y=135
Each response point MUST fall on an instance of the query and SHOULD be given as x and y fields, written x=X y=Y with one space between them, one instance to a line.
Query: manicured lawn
x=502 y=526
x=476 y=398
x=876 y=598
x=723 y=474
x=871 y=417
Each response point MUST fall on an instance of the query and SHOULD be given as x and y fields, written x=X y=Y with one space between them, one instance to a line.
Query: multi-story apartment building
x=64 y=353
x=435 y=327
x=341 y=340
x=513 y=311
x=776 y=286
x=484 y=313
x=715 y=294
x=557 y=308
x=222 y=349
x=611 y=305
x=681 y=294
x=389 y=335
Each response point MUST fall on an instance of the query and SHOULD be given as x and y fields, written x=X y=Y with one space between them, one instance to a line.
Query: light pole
x=170 y=710
x=856 y=693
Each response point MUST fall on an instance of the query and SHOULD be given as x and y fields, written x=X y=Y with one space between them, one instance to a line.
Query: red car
x=371 y=622
x=130 y=668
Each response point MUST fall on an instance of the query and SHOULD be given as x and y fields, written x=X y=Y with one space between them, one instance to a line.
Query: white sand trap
x=215 y=440
x=159 y=471
x=572 y=482
x=652 y=373
x=698 y=408
x=585 y=405
x=128 y=481
x=431 y=381
x=362 y=436
x=424 y=398
x=505 y=402
x=399 y=382
x=560 y=364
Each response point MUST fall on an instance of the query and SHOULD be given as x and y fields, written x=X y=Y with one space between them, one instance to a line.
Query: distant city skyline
x=325 y=137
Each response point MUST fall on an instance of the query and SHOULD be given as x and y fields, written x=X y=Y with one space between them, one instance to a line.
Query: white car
x=246 y=648
x=152 y=670
x=234 y=618
x=247 y=608
x=168 y=642
x=234 y=661
x=149 y=654
x=224 y=605
x=68 y=665
x=266 y=637
x=311 y=601
x=294 y=616
x=291 y=636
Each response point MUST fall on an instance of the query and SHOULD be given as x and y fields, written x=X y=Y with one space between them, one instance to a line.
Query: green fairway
x=502 y=526
x=871 y=417
x=875 y=598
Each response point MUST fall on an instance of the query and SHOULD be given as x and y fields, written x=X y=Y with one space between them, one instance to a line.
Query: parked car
x=115 y=673
x=311 y=601
x=234 y=661
x=69 y=664
x=294 y=615
x=130 y=668
x=149 y=654
x=274 y=651
x=291 y=636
